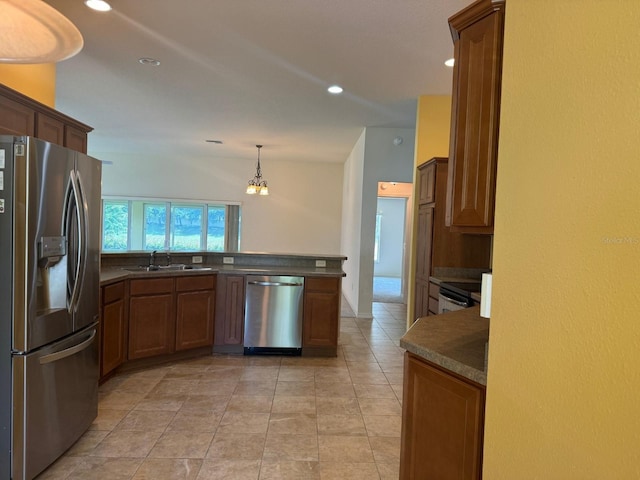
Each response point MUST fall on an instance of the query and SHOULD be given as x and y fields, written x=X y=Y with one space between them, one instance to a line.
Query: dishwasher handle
x=274 y=284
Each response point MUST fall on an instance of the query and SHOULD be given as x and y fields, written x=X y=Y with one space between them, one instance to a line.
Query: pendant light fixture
x=32 y=31
x=256 y=184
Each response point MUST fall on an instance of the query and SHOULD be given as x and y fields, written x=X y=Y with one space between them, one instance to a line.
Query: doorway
x=392 y=234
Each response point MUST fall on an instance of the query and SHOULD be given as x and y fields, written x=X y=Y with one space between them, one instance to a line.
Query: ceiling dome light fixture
x=335 y=90
x=450 y=62
x=32 y=31
x=98 y=5
x=256 y=184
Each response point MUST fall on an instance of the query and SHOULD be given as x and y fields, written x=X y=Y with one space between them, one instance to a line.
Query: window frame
x=136 y=211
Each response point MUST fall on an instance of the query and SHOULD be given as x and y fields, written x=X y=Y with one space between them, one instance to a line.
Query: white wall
x=301 y=215
x=374 y=158
x=351 y=221
x=391 y=246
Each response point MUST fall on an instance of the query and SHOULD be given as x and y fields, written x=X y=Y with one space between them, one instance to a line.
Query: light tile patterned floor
x=254 y=417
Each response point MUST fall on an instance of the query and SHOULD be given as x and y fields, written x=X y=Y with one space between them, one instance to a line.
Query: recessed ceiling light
x=217 y=142
x=98 y=5
x=450 y=62
x=335 y=89
x=149 y=61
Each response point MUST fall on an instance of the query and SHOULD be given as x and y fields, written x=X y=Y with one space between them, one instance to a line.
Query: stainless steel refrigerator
x=49 y=301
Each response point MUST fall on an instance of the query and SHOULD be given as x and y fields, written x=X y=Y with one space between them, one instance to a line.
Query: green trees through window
x=169 y=225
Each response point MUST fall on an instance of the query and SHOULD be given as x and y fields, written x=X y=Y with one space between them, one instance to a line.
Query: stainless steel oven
x=456 y=296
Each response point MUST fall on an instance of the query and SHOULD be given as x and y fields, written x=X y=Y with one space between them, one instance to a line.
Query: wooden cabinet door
x=427 y=183
x=321 y=312
x=49 y=129
x=16 y=118
x=75 y=139
x=194 y=319
x=442 y=424
x=424 y=240
x=113 y=327
x=113 y=336
x=421 y=308
x=151 y=325
x=229 y=327
x=478 y=32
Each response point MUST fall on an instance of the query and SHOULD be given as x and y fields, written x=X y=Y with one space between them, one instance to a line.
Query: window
x=376 y=243
x=134 y=224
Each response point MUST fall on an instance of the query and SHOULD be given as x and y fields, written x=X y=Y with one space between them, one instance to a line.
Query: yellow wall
x=35 y=81
x=433 y=123
x=563 y=392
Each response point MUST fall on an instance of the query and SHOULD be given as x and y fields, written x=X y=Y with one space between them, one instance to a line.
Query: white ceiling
x=250 y=72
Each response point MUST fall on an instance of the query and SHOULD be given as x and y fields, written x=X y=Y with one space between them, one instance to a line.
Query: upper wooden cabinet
x=21 y=115
x=478 y=36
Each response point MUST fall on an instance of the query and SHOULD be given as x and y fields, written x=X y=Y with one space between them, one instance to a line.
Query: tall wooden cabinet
x=478 y=36
x=21 y=115
x=436 y=244
x=442 y=424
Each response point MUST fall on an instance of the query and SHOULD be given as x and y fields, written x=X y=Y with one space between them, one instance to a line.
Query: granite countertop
x=455 y=341
x=110 y=275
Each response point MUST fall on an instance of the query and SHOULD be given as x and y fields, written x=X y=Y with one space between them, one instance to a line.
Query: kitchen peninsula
x=165 y=307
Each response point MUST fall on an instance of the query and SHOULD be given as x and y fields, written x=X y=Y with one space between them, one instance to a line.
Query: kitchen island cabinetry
x=21 y=115
x=477 y=33
x=442 y=424
x=113 y=328
x=321 y=316
x=152 y=320
x=195 y=303
x=230 y=314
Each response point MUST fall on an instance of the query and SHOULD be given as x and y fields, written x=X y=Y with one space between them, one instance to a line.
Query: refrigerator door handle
x=74 y=212
x=67 y=352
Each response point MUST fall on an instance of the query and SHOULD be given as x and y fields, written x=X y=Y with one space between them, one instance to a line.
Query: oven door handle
x=455 y=302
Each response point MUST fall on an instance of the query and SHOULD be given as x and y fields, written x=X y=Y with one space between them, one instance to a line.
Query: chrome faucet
x=168 y=258
x=152 y=260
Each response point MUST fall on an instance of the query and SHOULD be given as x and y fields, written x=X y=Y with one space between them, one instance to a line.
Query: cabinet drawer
x=321 y=284
x=434 y=290
x=151 y=285
x=111 y=293
x=200 y=282
x=433 y=305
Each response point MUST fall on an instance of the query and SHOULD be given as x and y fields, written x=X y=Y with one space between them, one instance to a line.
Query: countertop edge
x=111 y=275
x=452 y=341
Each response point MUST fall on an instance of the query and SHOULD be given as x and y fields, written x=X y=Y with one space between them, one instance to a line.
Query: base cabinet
x=113 y=328
x=321 y=315
x=230 y=311
x=151 y=317
x=442 y=424
x=195 y=302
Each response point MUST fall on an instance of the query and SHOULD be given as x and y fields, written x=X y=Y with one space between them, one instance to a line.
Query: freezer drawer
x=55 y=399
x=273 y=314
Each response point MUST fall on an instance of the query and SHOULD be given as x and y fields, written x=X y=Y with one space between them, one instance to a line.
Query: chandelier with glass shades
x=257 y=184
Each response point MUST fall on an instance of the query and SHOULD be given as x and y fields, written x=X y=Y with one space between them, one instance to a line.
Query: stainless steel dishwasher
x=273 y=315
